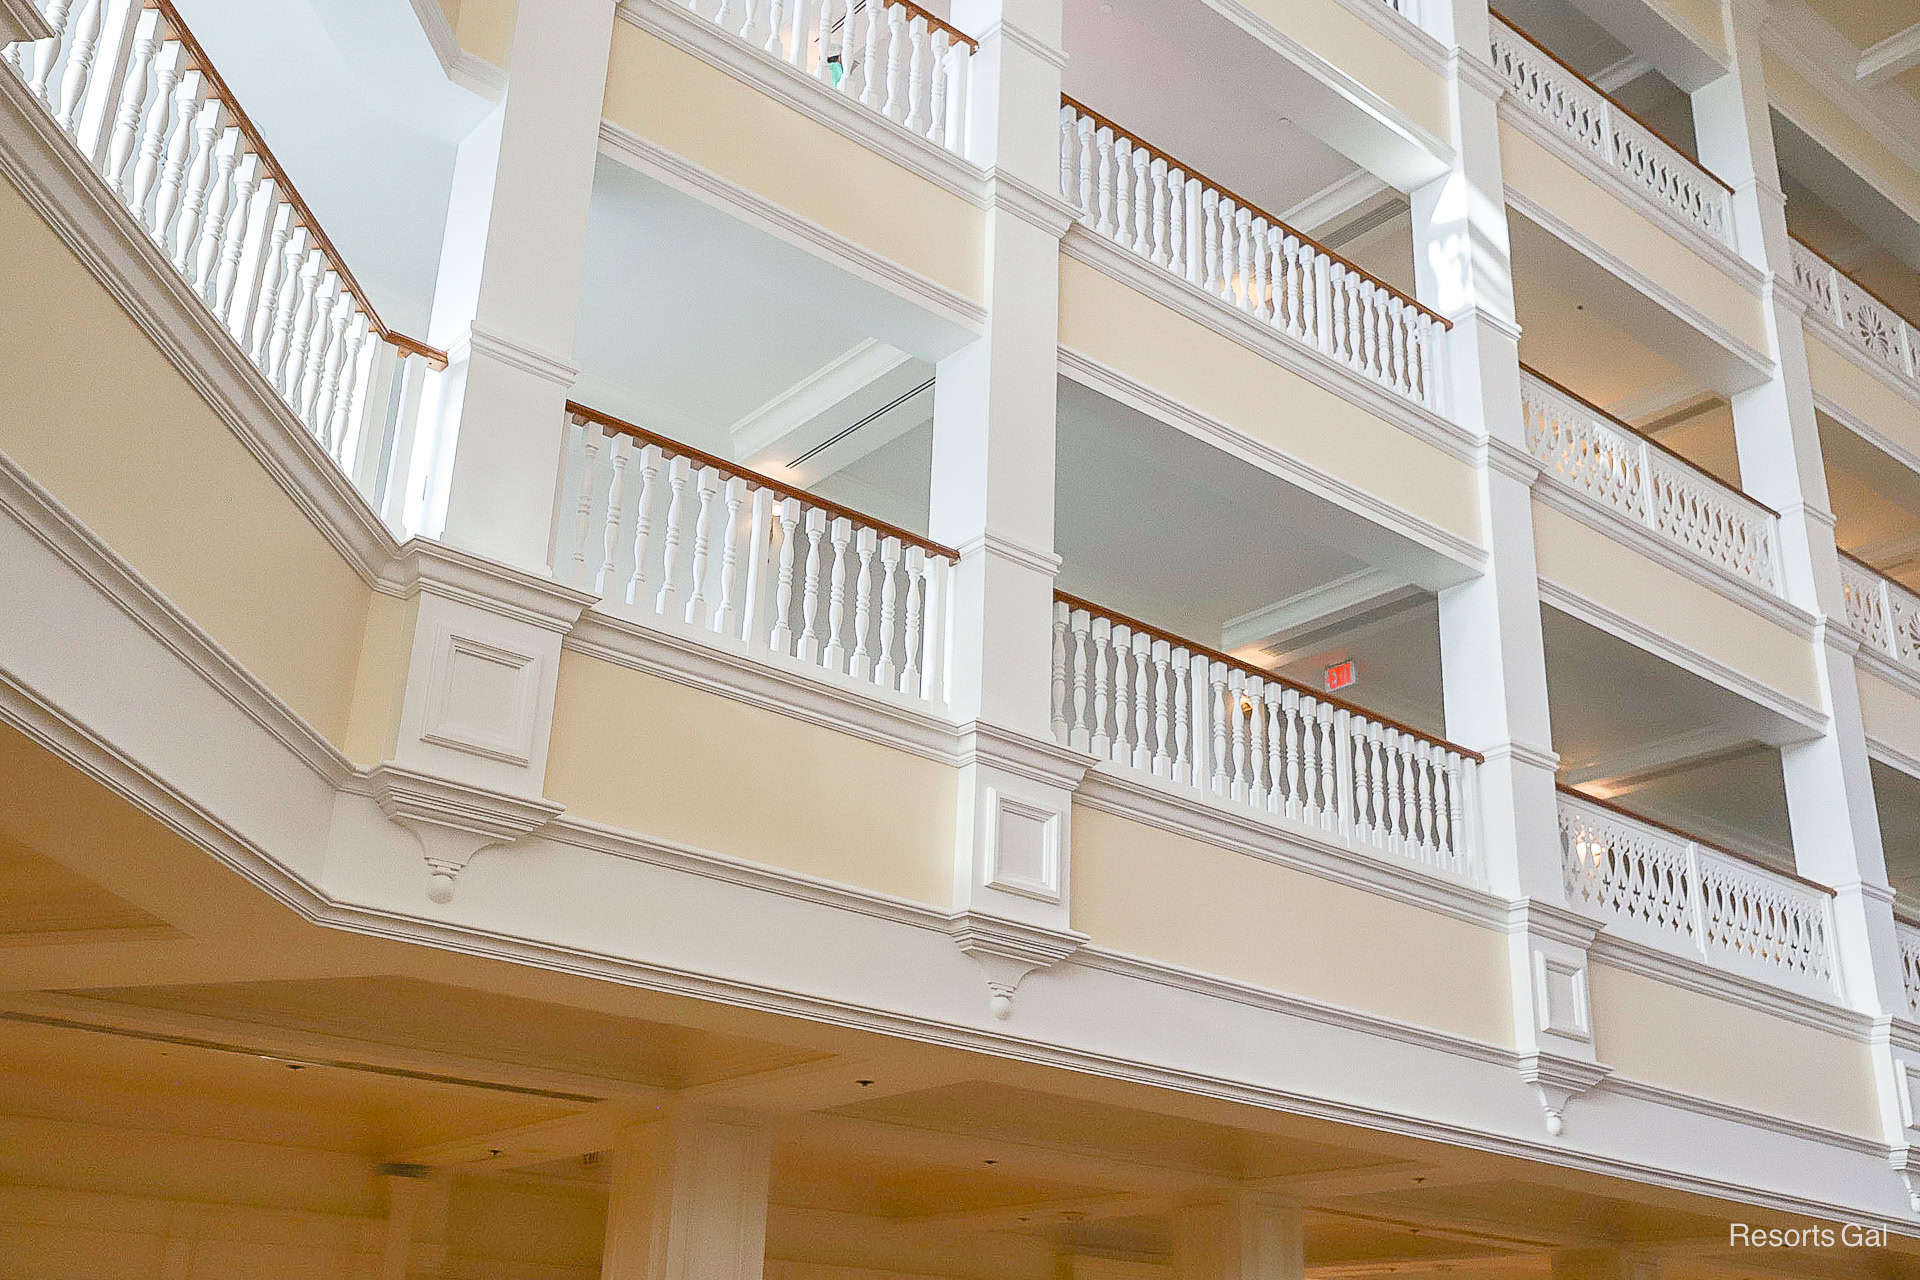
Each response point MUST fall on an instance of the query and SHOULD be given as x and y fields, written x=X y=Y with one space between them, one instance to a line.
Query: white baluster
x=332 y=370
x=865 y=542
x=760 y=526
x=1103 y=182
x=893 y=108
x=133 y=99
x=937 y=88
x=47 y=52
x=1122 y=191
x=884 y=668
x=916 y=119
x=933 y=675
x=810 y=587
x=1059 y=689
x=706 y=484
x=1236 y=718
x=1162 y=253
x=1256 y=719
x=1100 y=633
x=300 y=327
x=80 y=51
x=650 y=456
x=678 y=471
x=168 y=66
x=1276 y=750
x=841 y=531
x=1210 y=239
x=199 y=179
x=1080 y=723
x=1182 y=663
x=274 y=324
x=916 y=609
x=870 y=65
x=1143 y=647
x=726 y=608
x=213 y=227
x=1296 y=799
x=590 y=440
x=1142 y=206
x=1122 y=637
x=186 y=103
x=1218 y=713
x=618 y=457
x=823 y=39
x=1243 y=291
x=1162 y=697
x=234 y=238
x=783 y=576
x=322 y=352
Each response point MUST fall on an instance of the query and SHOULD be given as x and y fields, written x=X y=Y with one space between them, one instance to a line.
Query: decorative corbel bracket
x=1557 y=1079
x=454 y=820
x=1008 y=950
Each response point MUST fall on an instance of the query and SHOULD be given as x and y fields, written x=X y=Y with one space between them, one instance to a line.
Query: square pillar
x=1830 y=803
x=1246 y=1237
x=993 y=499
x=689 y=1200
x=1493 y=657
x=486 y=462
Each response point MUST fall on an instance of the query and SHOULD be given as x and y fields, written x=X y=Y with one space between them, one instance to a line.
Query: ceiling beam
x=1885 y=59
x=863 y=398
x=1313 y=618
x=1617 y=773
x=591 y=1129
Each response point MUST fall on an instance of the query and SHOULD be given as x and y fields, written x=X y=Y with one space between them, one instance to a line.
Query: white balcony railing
x=136 y=94
x=1144 y=201
x=1909 y=940
x=895 y=59
x=1592 y=123
x=1200 y=720
x=1658 y=887
x=1604 y=459
x=1882 y=612
x=707 y=549
x=1867 y=323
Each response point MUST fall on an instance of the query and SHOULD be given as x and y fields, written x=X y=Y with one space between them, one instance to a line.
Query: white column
x=1836 y=828
x=1247 y=1237
x=689 y=1200
x=414 y=1244
x=1493 y=661
x=509 y=290
x=992 y=497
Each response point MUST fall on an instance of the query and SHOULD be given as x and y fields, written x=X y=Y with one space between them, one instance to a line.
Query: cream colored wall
x=1848 y=138
x=1122 y=328
x=1892 y=714
x=1149 y=892
x=1837 y=376
x=1655 y=1032
x=380 y=682
x=99 y=417
x=484 y=28
x=1619 y=229
x=1701 y=18
x=1611 y=574
x=706 y=116
x=1330 y=31
x=667 y=760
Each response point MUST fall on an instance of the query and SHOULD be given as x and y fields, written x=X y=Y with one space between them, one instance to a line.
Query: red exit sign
x=1340 y=675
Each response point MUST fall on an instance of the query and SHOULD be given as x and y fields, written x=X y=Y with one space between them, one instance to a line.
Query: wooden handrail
x=933 y=19
x=219 y=88
x=1690 y=838
x=1855 y=281
x=672 y=448
x=1216 y=655
x=1139 y=143
x=1637 y=433
x=1612 y=101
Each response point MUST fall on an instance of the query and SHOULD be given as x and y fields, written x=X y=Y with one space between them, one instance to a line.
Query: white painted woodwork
x=171 y=153
x=1247 y=739
x=717 y=555
x=1869 y=325
x=1689 y=899
x=1592 y=123
x=1622 y=471
x=1882 y=612
x=1183 y=224
x=889 y=58
x=1909 y=939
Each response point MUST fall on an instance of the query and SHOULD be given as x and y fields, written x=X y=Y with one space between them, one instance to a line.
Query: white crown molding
x=1501 y=455
x=1557 y=1079
x=42 y=515
x=1120 y=386
x=1331 y=603
x=1205 y=308
x=468 y=70
x=543 y=365
x=1831 y=335
x=43 y=163
x=423 y=565
x=1893 y=56
x=1892 y=756
x=1530 y=754
x=1185 y=811
x=1880 y=662
x=1339 y=197
x=1020 y=38
x=819 y=392
x=1740 y=271
x=1565 y=498
x=808 y=693
x=649 y=157
x=1008 y=950
x=694 y=34
x=1049 y=211
x=1644 y=637
x=1005 y=548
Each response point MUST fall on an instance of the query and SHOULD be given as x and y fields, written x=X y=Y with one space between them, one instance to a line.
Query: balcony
x=1882 y=613
x=1620 y=470
x=1606 y=137
x=1856 y=316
